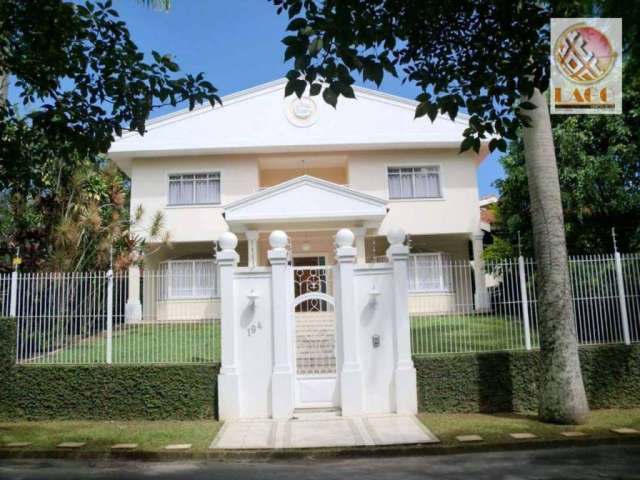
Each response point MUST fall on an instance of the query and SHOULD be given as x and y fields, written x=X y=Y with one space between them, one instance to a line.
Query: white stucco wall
x=456 y=212
x=366 y=171
x=150 y=184
x=378 y=363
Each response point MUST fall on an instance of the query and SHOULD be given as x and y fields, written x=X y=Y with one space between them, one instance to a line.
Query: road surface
x=599 y=462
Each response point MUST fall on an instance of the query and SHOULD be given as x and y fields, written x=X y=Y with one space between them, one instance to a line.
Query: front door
x=315 y=333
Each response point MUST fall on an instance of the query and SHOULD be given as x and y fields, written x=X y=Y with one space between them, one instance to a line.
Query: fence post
x=621 y=298
x=229 y=402
x=351 y=378
x=524 y=300
x=13 y=301
x=406 y=396
x=282 y=377
x=109 y=315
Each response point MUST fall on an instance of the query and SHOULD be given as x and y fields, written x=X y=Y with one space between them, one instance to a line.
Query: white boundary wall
x=375 y=373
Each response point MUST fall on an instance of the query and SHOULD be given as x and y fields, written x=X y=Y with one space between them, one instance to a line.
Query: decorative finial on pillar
x=278 y=239
x=396 y=236
x=228 y=241
x=345 y=238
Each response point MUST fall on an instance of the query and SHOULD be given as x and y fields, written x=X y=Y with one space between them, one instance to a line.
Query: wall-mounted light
x=373 y=296
x=252 y=296
x=306 y=247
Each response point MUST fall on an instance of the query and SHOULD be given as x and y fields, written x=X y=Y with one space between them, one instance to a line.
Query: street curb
x=266 y=455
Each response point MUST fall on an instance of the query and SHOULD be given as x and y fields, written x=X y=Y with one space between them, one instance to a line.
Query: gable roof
x=305 y=198
x=261 y=119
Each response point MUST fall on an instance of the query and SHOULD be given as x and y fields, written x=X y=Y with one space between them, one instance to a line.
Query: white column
x=133 y=308
x=351 y=377
x=361 y=252
x=252 y=248
x=282 y=386
x=229 y=377
x=405 y=390
x=481 y=296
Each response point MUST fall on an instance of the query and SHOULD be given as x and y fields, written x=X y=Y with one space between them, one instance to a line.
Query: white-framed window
x=184 y=279
x=414 y=182
x=194 y=188
x=429 y=272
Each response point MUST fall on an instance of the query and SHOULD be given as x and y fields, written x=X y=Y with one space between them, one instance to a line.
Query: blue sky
x=237 y=45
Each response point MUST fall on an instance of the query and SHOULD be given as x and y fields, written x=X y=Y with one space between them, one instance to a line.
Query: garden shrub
x=508 y=381
x=102 y=392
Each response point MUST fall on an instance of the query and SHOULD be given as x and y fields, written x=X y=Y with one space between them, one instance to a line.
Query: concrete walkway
x=310 y=431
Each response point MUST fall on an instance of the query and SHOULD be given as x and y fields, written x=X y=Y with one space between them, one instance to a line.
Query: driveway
x=600 y=462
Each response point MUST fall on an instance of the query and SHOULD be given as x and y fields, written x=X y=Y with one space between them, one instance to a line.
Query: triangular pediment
x=263 y=120
x=305 y=199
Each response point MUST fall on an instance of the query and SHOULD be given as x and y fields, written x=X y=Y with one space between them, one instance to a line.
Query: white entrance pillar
x=252 y=248
x=282 y=387
x=405 y=389
x=133 y=308
x=481 y=295
x=229 y=377
x=360 y=234
x=351 y=377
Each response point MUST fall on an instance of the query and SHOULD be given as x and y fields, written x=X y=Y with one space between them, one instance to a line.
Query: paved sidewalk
x=334 y=431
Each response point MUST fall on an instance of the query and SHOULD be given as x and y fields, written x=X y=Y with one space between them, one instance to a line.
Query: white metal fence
x=456 y=318
x=79 y=318
x=67 y=317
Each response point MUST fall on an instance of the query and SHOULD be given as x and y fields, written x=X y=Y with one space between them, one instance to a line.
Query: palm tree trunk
x=4 y=88
x=562 y=394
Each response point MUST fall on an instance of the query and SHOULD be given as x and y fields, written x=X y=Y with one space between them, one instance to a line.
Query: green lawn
x=465 y=333
x=146 y=343
x=200 y=342
x=100 y=436
x=155 y=435
x=496 y=428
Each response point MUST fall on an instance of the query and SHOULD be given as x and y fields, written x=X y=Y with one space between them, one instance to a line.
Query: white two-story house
x=263 y=162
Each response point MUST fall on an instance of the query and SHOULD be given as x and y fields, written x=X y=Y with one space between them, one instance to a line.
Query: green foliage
x=80 y=81
x=102 y=392
x=508 y=381
x=77 y=60
x=499 y=250
x=71 y=220
x=7 y=344
x=478 y=55
x=599 y=175
x=150 y=392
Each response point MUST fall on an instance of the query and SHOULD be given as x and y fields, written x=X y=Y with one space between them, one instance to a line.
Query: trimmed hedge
x=102 y=392
x=508 y=381
x=483 y=382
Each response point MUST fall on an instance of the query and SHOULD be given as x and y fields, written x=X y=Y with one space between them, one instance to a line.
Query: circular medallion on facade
x=301 y=112
x=584 y=54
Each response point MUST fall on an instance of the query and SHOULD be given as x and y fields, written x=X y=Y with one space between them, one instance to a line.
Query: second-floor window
x=414 y=182
x=194 y=188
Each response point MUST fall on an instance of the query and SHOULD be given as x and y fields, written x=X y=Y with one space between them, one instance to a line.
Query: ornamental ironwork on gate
x=315 y=320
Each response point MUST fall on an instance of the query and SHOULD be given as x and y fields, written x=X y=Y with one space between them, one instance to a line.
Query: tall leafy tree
x=489 y=57
x=80 y=81
x=599 y=178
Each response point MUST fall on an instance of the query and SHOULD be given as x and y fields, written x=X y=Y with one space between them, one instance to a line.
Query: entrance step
x=316 y=413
